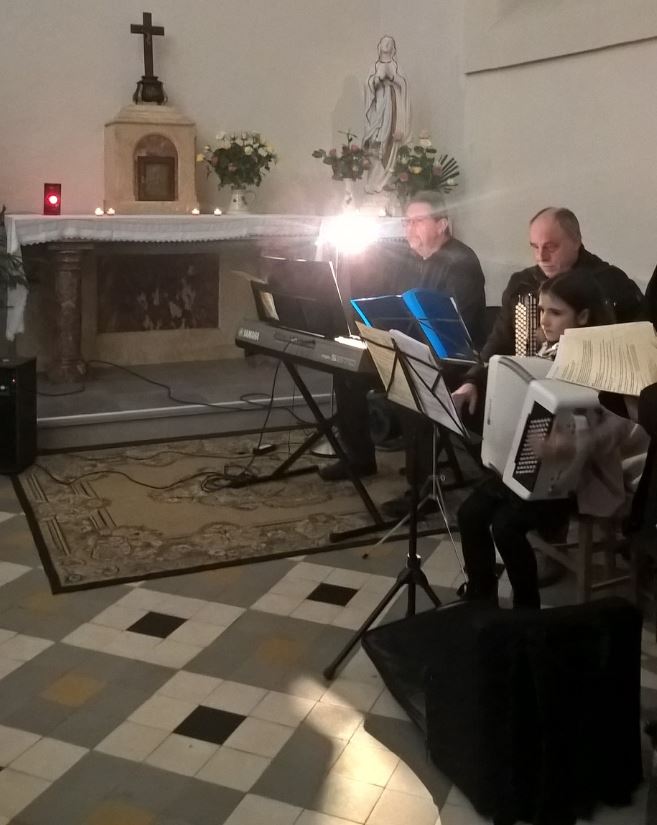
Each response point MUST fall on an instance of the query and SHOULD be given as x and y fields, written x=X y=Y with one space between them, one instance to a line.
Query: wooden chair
x=594 y=535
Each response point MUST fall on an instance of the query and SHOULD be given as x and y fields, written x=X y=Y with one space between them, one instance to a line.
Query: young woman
x=495 y=517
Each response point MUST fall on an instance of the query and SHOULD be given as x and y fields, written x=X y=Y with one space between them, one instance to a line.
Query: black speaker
x=17 y=414
x=534 y=714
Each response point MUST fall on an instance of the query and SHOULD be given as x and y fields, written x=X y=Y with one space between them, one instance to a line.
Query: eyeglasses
x=406 y=222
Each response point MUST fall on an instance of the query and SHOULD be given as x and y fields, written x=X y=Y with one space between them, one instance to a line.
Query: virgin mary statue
x=387 y=115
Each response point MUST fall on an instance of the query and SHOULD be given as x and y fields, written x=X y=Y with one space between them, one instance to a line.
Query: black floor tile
x=157 y=624
x=210 y=724
x=332 y=594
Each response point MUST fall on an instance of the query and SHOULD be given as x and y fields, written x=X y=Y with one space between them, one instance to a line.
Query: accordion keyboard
x=527 y=463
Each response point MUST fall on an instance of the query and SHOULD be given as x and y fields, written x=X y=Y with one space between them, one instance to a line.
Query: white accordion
x=522 y=406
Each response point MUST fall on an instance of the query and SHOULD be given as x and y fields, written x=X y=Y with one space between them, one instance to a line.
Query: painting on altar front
x=143 y=293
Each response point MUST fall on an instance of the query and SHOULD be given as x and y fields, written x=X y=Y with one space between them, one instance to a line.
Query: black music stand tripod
x=424 y=400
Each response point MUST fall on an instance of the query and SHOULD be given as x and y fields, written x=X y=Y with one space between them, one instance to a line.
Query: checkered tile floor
x=199 y=699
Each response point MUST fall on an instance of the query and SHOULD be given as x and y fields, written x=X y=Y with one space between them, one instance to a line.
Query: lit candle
x=217 y=211
x=111 y=211
x=196 y=211
x=98 y=211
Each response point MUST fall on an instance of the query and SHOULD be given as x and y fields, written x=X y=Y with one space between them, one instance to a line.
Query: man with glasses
x=433 y=259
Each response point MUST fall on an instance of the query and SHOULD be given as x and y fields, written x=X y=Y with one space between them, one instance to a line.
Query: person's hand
x=558 y=445
x=466 y=394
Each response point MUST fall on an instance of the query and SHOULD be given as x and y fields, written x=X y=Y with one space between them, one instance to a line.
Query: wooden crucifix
x=149 y=88
x=147 y=29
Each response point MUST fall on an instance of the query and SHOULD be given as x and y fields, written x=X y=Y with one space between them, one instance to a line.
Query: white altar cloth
x=27 y=230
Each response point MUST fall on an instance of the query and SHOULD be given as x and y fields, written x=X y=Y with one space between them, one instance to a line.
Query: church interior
x=200 y=690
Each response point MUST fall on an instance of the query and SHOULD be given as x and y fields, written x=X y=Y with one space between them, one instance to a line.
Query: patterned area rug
x=128 y=513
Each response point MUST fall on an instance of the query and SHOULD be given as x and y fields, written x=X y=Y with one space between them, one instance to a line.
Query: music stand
x=414 y=381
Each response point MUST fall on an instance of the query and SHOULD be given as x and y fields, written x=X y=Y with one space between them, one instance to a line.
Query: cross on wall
x=148 y=30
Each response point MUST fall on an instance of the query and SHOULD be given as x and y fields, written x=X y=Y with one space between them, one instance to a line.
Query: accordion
x=522 y=407
x=525 y=324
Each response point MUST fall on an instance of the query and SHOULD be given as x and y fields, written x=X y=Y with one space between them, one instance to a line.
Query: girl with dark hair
x=493 y=517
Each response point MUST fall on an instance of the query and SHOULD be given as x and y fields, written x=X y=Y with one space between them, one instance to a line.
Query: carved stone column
x=67 y=365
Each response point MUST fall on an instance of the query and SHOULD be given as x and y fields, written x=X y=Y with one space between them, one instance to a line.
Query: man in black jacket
x=433 y=259
x=556 y=241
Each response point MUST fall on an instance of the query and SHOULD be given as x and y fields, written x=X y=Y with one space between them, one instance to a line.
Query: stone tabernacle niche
x=145 y=293
x=150 y=161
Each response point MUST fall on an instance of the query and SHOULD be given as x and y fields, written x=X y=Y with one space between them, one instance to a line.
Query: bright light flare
x=53 y=200
x=350 y=233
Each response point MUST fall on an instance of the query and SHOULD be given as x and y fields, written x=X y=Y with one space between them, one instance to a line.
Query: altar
x=72 y=245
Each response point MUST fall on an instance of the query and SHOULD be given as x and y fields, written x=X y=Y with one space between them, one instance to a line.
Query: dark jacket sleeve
x=501 y=340
x=622 y=292
x=466 y=285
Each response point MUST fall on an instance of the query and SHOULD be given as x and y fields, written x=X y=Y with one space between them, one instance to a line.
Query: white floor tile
x=234 y=769
x=48 y=759
x=14 y=742
x=259 y=737
x=235 y=697
x=222 y=615
x=190 y=687
x=132 y=741
x=314 y=572
x=8 y=666
x=358 y=695
x=17 y=790
x=317 y=612
x=181 y=754
x=275 y=603
x=162 y=712
x=366 y=764
x=92 y=636
x=298 y=589
x=316 y=818
x=404 y=780
x=120 y=616
x=144 y=598
x=347 y=798
x=23 y=648
x=253 y=810
x=170 y=653
x=283 y=708
x=196 y=633
x=8 y=570
x=387 y=705
x=308 y=687
x=334 y=720
x=397 y=808
x=182 y=606
x=133 y=645
x=347 y=578
x=462 y=815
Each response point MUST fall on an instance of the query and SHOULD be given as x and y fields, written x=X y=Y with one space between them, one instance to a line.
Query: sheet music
x=618 y=358
x=382 y=350
x=433 y=396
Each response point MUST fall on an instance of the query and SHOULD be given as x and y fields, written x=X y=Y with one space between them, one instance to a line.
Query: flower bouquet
x=350 y=164
x=418 y=167
x=240 y=160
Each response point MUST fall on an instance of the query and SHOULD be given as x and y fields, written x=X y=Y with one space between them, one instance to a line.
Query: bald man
x=556 y=242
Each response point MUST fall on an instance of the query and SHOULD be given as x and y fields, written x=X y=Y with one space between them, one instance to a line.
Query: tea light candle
x=111 y=211
x=218 y=211
x=196 y=211
x=98 y=211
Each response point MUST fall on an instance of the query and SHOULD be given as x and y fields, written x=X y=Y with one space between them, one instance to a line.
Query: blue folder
x=424 y=314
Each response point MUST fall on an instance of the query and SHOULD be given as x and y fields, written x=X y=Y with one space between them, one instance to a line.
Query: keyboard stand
x=324 y=427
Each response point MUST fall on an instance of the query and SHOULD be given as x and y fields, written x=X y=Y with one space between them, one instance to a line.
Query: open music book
x=618 y=358
x=427 y=315
x=420 y=387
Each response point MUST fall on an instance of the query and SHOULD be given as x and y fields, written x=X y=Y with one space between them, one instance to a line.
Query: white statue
x=387 y=115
